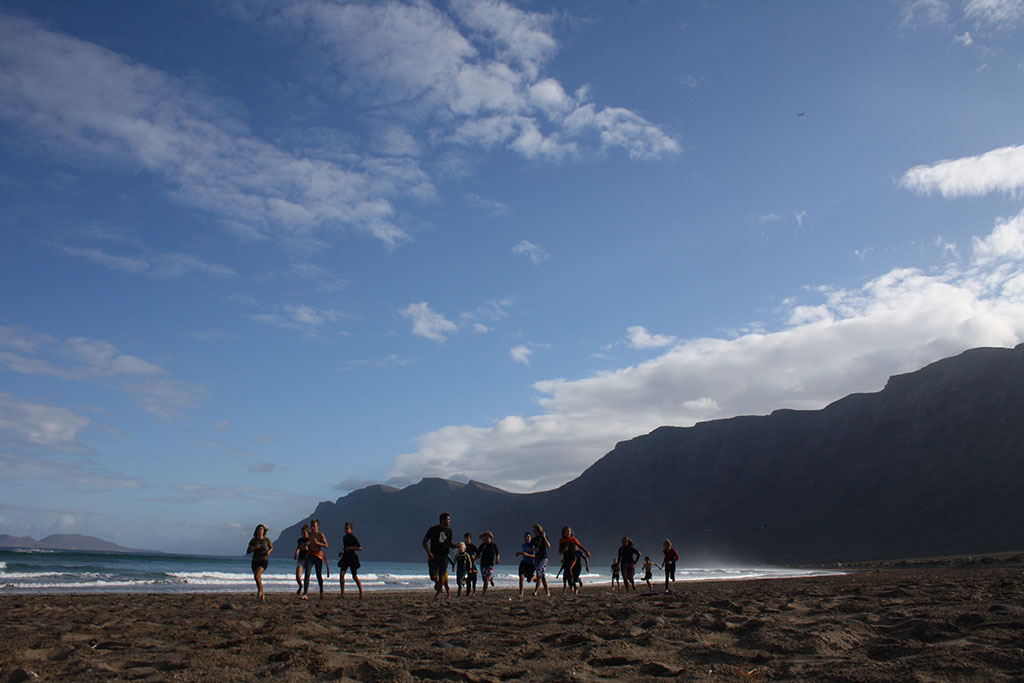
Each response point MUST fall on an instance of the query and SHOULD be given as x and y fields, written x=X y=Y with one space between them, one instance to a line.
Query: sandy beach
x=915 y=624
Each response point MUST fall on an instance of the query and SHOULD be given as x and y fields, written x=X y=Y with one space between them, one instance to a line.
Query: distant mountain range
x=931 y=465
x=65 y=542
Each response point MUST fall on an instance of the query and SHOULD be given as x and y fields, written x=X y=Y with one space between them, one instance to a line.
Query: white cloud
x=39 y=424
x=427 y=323
x=639 y=338
x=532 y=251
x=28 y=352
x=849 y=342
x=1006 y=241
x=964 y=39
x=999 y=170
x=1001 y=14
x=521 y=354
x=476 y=72
x=81 y=99
x=934 y=12
x=301 y=318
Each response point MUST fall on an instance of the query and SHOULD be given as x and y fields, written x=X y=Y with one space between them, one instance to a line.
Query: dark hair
x=256 y=531
x=443 y=515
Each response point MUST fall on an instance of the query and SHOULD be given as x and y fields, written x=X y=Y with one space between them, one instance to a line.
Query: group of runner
x=309 y=556
x=439 y=541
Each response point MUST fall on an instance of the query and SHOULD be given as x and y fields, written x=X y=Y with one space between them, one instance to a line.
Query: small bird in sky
x=800 y=114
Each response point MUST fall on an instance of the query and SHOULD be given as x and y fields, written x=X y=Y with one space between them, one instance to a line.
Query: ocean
x=60 y=571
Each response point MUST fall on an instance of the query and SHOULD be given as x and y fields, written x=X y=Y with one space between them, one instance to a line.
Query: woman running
x=260 y=548
x=315 y=558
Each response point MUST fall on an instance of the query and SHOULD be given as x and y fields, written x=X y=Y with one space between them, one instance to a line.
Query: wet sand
x=917 y=624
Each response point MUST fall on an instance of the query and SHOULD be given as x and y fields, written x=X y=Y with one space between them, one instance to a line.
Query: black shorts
x=344 y=565
x=437 y=567
x=260 y=564
x=526 y=570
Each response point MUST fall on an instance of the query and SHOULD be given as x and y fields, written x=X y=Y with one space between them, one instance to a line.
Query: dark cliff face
x=931 y=465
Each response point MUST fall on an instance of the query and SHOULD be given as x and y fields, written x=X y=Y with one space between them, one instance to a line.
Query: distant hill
x=932 y=465
x=65 y=542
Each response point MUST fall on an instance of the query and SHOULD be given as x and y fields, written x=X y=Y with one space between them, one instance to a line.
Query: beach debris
x=227 y=606
x=654 y=621
x=21 y=674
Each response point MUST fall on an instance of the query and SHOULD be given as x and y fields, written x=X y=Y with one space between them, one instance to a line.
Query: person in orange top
x=315 y=557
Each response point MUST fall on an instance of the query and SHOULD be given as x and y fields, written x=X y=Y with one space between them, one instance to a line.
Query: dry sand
x=921 y=624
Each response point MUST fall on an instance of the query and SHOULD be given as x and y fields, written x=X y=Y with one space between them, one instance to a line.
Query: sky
x=255 y=256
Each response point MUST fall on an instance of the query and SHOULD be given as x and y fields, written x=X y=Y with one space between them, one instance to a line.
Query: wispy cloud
x=312 y=322
x=28 y=352
x=1001 y=14
x=476 y=70
x=77 y=97
x=639 y=338
x=427 y=323
x=39 y=424
x=521 y=354
x=531 y=251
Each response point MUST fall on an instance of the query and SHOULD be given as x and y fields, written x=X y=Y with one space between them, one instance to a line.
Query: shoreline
x=871 y=624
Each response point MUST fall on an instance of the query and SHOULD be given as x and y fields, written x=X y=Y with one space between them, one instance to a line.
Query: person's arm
x=425 y=547
x=323 y=540
x=270 y=546
x=248 y=551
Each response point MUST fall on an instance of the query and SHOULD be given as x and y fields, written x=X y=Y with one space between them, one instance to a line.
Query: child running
x=473 y=553
x=648 y=563
x=671 y=557
x=616 y=584
x=526 y=565
x=463 y=563
x=540 y=559
x=489 y=556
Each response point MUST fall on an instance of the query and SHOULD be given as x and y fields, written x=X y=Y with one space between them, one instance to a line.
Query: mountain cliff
x=931 y=465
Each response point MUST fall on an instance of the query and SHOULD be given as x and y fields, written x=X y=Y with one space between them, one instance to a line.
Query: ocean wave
x=34 y=551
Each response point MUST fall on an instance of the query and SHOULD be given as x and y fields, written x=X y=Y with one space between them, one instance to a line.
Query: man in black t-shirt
x=439 y=538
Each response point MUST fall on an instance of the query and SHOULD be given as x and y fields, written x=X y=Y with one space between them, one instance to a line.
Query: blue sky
x=256 y=255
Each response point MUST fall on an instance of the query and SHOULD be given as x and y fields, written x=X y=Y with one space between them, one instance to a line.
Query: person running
x=315 y=558
x=540 y=559
x=301 y=546
x=349 y=559
x=489 y=556
x=436 y=543
x=671 y=557
x=473 y=553
x=463 y=563
x=526 y=565
x=648 y=563
x=260 y=548
x=616 y=584
x=628 y=555
x=571 y=550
